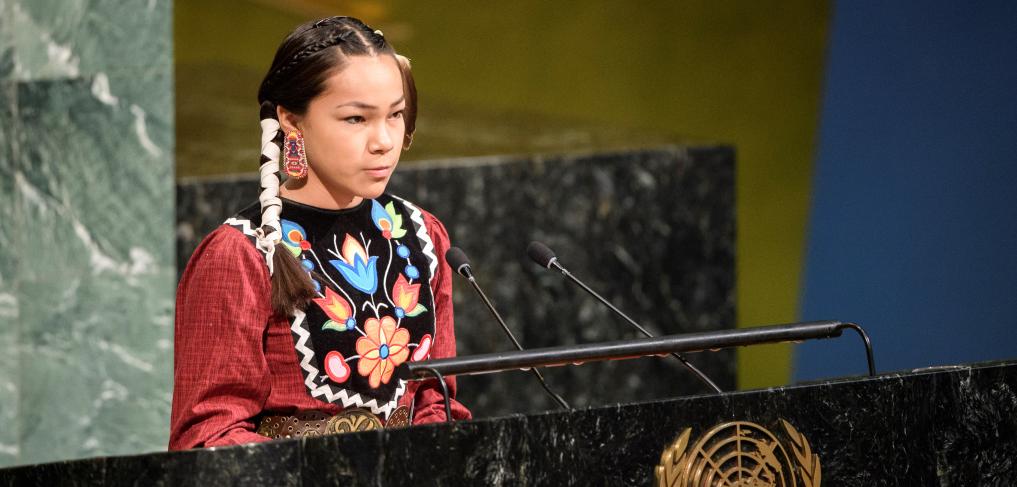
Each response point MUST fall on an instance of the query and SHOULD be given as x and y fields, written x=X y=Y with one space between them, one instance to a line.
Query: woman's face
x=353 y=131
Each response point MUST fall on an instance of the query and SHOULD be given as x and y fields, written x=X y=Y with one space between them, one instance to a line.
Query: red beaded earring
x=296 y=158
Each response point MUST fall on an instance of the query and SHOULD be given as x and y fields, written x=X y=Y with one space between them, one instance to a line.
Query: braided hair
x=305 y=60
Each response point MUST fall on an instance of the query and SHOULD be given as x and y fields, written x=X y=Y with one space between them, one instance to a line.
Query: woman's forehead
x=374 y=80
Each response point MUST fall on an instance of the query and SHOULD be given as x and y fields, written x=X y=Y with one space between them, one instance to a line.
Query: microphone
x=543 y=255
x=458 y=261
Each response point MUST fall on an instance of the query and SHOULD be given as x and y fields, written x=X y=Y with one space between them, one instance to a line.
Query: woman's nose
x=381 y=140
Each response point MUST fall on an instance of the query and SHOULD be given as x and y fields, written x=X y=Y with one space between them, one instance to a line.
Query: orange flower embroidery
x=405 y=296
x=382 y=350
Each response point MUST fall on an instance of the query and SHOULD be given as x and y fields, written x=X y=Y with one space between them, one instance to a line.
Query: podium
x=942 y=426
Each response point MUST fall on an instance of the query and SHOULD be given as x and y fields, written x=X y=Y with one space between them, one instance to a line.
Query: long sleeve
x=221 y=377
x=430 y=405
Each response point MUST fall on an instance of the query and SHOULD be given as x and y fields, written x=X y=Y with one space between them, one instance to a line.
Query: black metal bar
x=868 y=346
x=625 y=349
x=444 y=388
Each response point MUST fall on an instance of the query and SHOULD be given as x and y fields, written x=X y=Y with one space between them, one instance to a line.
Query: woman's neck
x=311 y=194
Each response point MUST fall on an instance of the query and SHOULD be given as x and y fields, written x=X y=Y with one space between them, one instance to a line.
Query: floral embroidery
x=387 y=220
x=405 y=297
x=423 y=349
x=336 y=368
x=356 y=267
x=411 y=271
x=309 y=267
x=294 y=237
x=337 y=310
x=382 y=350
x=295 y=240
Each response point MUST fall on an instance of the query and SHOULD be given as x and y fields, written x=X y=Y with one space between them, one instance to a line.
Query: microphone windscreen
x=457 y=259
x=540 y=253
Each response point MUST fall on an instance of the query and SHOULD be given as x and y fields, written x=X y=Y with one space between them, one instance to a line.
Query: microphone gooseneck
x=458 y=261
x=544 y=256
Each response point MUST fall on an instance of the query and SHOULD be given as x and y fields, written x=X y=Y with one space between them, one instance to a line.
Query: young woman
x=292 y=316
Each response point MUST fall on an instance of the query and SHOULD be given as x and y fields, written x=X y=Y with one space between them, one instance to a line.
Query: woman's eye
x=398 y=114
x=354 y=119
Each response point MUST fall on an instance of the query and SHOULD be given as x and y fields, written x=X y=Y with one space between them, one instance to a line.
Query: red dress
x=234 y=360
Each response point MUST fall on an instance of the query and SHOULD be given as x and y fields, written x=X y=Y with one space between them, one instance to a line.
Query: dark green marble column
x=86 y=227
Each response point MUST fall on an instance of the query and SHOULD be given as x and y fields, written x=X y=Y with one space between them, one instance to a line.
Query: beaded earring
x=296 y=158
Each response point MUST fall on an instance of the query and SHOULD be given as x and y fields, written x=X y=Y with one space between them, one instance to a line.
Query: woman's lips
x=378 y=172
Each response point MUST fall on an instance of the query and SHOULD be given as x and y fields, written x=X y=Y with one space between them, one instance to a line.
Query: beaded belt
x=317 y=423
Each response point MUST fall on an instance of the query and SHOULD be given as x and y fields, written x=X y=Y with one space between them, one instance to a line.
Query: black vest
x=372 y=267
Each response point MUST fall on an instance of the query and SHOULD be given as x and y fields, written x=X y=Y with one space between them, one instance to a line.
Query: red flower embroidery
x=334 y=306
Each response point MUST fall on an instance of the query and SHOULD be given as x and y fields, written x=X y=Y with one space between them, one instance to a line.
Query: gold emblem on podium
x=742 y=454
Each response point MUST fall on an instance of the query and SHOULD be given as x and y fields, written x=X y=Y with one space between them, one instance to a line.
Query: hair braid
x=306 y=52
x=270 y=232
x=291 y=287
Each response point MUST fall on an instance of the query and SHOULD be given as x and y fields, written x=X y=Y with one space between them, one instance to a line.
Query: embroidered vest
x=371 y=267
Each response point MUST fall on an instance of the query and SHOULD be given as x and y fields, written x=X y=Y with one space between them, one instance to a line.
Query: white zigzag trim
x=245 y=227
x=325 y=389
x=305 y=352
x=244 y=224
x=425 y=239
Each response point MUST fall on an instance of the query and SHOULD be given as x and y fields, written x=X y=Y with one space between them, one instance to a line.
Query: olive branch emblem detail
x=739 y=453
x=812 y=473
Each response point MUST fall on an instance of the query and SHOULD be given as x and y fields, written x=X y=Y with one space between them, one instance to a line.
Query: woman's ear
x=288 y=120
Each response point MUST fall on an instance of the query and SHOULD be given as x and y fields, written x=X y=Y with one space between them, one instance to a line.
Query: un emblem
x=742 y=454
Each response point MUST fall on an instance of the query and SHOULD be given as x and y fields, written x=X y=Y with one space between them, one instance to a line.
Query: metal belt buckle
x=352 y=420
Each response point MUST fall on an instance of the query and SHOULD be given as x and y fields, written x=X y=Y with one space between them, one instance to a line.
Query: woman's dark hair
x=305 y=60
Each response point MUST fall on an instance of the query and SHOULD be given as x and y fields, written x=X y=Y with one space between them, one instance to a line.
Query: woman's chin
x=374 y=190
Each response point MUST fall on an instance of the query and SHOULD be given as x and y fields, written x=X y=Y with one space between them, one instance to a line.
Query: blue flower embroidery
x=356 y=267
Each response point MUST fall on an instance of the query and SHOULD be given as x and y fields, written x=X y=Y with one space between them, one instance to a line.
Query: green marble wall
x=86 y=227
